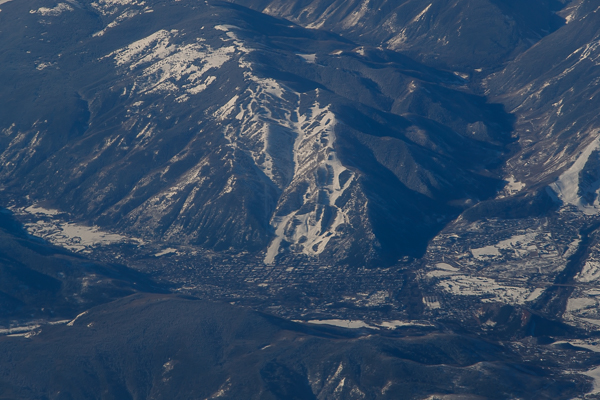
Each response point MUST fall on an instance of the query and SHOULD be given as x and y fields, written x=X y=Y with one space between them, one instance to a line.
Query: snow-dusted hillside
x=213 y=125
x=464 y=35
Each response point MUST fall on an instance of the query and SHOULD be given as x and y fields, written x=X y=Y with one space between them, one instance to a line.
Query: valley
x=344 y=200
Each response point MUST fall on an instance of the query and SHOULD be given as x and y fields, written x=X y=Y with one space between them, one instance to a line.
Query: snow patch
x=165 y=252
x=397 y=41
x=343 y=323
x=43 y=65
x=590 y=272
x=580 y=303
x=572 y=248
x=398 y=324
x=520 y=245
x=360 y=51
x=431 y=302
x=309 y=58
x=19 y=330
x=75 y=237
x=535 y=294
x=225 y=28
x=52 y=12
x=226 y=109
x=314 y=151
x=421 y=14
x=513 y=186
x=76 y=318
x=442 y=269
x=446 y=267
x=128 y=14
x=567 y=187
x=595 y=374
x=171 y=68
x=488 y=289
x=354 y=18
x=487 y=251
x=110 y=7
x=42 y=211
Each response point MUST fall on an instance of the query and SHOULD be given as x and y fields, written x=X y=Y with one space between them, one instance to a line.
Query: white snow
x=397 y=41
x=421 y=14
x=223 y=389
x=590 y=272
x=75 y=237
x=43 y=65
x=52 y=12
x=400 y=37
x=225 y=28
x=591 y=321
x=110 y=7
x=354 y=18
x=76 y=318
x=589 y=344
x=490 y=289
x=146 y=133
x=340 y=386
x=4 y=1
x=438 y=273
x=446 y=267
x=344 y=323
x=172 y=68
x=513 y=186
x=268 y=118
x=313 y=151
x=227 y=109
x=582 y=303
x=397 y=324
x=442 y=269
x=320 y=20
x=567 y=186
x=169 y=250
x=485 y=251
x=309 y=58
x=269 y=115
x=535 y=294
x=34 y=209
x=168 y=367
x=431 y=303
x=595 y=374
x=88 y=235
x=19 y=330
x=520 y=245
x=127 y=14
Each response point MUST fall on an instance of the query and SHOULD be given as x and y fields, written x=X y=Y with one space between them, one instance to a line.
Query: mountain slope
x=40 y=281
x=217 y=126
x=463 y=35
x=552 y=89
x=157 y=346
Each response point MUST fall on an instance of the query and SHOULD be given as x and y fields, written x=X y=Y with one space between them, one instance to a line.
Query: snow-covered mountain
x=552 y=89
x=460 y=35
x=214 y=125
x=411 y=186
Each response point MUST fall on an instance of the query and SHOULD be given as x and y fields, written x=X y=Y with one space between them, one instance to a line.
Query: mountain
x=462 y=35
x=159 y=346
x=39 y=281
x=372 y=199
x=534 y=246
x=74 y=328
x=551 y=88
x=217 y=126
